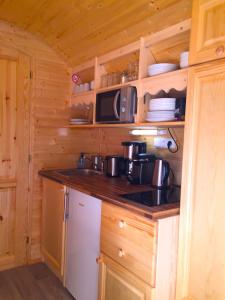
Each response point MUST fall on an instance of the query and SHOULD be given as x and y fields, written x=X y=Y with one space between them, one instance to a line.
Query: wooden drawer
x=130 y=240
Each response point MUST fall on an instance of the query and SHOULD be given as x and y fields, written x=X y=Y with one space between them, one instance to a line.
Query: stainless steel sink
x=72 y=172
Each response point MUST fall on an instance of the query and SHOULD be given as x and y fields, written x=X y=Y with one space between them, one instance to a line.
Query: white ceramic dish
x=163 y=119
x=79 y=123
x=162 y=104
x=78 y=120
x=157 y=113
x=156 y=69
x=155 y=116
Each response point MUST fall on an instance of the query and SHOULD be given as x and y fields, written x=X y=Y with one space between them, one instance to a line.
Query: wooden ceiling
x=82 y=29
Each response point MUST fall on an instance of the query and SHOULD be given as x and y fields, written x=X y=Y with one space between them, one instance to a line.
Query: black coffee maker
x=141 y=169
x=139 y=164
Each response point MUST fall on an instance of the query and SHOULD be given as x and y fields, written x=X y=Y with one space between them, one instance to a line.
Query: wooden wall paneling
x=107 y=141
x=108 y=25
x=169 y=49
x=49 y=99
x=22 y=164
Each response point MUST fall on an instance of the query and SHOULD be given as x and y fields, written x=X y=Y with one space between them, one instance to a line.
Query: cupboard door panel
x=202 y=246
x=208 y=31
x=52 y=239
x=118 y=284
x=7 y=222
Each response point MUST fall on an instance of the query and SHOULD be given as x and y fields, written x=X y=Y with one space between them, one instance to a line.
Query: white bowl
x=156 y=69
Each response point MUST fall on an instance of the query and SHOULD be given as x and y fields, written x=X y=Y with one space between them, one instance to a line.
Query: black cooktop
x=155 y=197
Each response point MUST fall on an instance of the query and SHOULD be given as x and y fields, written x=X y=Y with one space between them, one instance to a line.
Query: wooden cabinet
x=53 y=226
x=202 y=228
x=208 y=31
x=139 y=256
x=129 y=239
x=116 y=283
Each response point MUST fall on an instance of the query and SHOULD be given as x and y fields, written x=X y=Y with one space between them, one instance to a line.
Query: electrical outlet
x=160 y=142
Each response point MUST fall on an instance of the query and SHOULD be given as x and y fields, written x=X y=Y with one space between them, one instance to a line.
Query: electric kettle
x=161 y=174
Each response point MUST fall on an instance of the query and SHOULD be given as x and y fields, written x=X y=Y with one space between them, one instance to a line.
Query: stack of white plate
x=156 y=69
x=161 y=109
x=79 y=121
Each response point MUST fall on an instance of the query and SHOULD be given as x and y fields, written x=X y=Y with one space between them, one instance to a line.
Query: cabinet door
x=208 y=31
x=202 y=224
x=52 y=240
x=116 y=283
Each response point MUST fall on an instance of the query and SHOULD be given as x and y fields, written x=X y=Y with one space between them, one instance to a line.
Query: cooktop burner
x=155 y=197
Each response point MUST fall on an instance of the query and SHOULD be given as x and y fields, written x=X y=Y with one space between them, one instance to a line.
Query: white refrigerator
x=82 y=245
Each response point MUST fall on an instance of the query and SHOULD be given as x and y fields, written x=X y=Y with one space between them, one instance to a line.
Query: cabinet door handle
x=121 y=253
x=122 y=224
x=66 y=205
x=220 y=50
x=99 y=260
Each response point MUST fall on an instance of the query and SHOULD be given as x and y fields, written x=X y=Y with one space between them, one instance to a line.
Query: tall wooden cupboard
x=201 y=271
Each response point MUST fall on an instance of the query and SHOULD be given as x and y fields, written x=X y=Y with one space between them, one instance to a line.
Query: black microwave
x=116 y=106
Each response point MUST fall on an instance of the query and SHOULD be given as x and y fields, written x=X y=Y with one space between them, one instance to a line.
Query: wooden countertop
x=109 y=189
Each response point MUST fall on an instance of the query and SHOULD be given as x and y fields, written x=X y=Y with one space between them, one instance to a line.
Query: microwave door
x=108 y=107
x=115 y=105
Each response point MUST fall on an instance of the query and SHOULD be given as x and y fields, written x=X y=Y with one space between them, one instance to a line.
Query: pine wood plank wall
x=49 y=98
x=107 y=141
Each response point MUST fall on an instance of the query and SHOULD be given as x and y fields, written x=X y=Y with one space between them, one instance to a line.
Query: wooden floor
x=35 y=282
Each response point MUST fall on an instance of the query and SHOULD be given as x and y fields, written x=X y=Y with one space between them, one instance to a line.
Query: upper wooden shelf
x=132 y=125
x=117 y=86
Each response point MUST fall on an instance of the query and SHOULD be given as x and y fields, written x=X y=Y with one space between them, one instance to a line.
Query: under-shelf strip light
x=148 y=132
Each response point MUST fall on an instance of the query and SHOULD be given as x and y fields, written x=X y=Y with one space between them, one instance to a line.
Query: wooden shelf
x=80 y=94
x=166 y=81
x=131 y=125
x=117 y=86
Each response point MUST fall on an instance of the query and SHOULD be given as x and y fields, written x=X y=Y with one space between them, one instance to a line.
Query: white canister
x=92 y=84
x=184 y=59
x=86 y=86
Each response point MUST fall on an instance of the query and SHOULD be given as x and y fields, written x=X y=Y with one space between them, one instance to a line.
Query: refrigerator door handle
x=66 y=205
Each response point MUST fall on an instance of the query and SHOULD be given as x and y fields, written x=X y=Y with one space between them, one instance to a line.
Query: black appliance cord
x=169 y=144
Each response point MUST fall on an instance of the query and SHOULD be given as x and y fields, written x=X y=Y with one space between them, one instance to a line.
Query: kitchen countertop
x=109 y=189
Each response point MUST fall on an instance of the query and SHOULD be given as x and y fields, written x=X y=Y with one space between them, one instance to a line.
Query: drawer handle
x=121 y=253
x=122 y=224
x=220 y=50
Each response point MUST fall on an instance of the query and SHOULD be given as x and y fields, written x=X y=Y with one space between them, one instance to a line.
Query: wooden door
x=201 y=272
x=53 y=226
x=208 y=31
x=116 y=283
x=14 y=151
